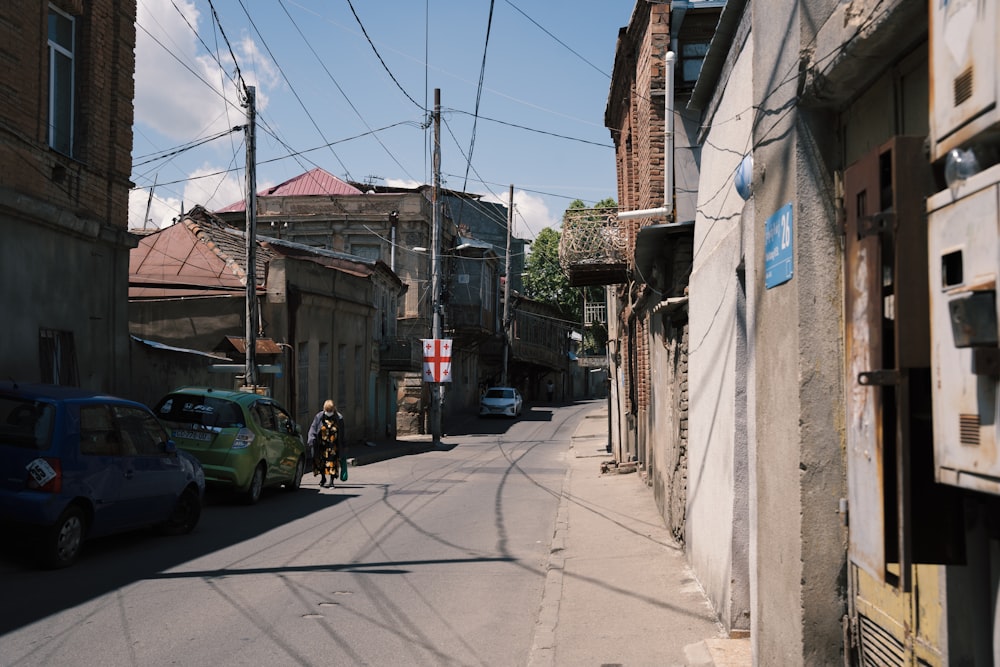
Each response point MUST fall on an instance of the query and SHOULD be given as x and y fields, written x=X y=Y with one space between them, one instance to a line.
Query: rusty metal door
x=896 y=514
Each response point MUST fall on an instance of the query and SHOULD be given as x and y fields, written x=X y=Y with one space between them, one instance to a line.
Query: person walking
x=326 y=442
x=550 y=389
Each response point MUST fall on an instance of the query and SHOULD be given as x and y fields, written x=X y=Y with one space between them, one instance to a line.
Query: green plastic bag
x=343 y=472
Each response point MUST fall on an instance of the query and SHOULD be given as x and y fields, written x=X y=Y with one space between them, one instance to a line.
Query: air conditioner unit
x=965 y=78
x=964 y=255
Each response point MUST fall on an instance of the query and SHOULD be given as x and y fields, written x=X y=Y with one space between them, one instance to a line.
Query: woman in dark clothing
x=327 y=436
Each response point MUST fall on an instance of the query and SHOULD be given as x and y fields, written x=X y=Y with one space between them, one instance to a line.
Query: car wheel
x=186 y=514
x=252 y=494
x=62 y=543
x=296 y=481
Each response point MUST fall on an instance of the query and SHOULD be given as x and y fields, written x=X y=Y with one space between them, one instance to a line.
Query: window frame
x=58 y=106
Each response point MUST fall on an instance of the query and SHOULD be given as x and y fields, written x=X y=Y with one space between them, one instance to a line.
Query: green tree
x=545 y=281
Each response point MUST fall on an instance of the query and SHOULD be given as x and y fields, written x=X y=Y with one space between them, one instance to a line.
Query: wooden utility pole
x=506 y=292
x=250 y=373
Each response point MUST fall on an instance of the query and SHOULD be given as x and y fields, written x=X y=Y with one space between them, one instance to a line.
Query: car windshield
x=25 y=423
x=500 y=393
x=205 y=410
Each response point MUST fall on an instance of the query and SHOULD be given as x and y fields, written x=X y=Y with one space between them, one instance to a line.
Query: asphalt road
x=430 y=559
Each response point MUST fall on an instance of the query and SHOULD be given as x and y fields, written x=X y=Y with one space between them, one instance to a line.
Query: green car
x=244 y=441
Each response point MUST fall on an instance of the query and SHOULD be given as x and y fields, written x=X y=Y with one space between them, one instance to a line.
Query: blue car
x=75 y=464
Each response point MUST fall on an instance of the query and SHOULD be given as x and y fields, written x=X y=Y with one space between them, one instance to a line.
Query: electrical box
x=965 y=78
x=964 y=256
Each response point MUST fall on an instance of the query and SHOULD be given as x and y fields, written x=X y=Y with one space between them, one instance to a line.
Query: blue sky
x=325 y=99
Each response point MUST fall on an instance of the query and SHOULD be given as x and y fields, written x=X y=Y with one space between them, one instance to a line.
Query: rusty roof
x=200 y=255
x=314 y=182
x=239 y=343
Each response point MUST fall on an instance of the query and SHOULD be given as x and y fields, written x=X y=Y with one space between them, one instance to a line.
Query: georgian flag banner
x=437 y=359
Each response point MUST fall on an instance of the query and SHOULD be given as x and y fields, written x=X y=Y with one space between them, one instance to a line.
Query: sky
x=348 y=86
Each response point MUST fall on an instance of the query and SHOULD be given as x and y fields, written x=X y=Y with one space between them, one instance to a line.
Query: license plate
x=201 y=436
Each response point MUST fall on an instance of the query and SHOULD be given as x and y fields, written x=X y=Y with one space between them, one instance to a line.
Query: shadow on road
x=110 y=563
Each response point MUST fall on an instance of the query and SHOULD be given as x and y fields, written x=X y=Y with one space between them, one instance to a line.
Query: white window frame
x=60 y=138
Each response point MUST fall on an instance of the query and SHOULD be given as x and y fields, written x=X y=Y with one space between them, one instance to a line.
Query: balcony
x=400 y=354
x=471 y=321
x=592 y=248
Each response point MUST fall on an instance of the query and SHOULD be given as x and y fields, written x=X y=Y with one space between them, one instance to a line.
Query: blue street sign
x=778 y=262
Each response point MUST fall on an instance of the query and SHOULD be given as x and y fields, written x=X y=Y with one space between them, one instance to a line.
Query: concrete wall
x=717 y=538
x=333 y=310
x=800 y=557
x=63 y=273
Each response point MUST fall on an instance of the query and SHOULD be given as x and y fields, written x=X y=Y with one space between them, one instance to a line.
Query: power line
x=562 y=43
x=380 y=59
x=292 y=88
x=530 y=129
x=153 y=157
x=341 y=90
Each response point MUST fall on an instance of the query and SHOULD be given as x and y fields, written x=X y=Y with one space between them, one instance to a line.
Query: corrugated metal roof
x=262 y=345
x=314 y=182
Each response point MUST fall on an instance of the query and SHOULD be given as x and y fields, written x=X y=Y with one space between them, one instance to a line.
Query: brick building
x=65 y=157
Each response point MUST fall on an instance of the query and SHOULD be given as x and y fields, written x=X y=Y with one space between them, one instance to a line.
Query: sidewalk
x=618 y=590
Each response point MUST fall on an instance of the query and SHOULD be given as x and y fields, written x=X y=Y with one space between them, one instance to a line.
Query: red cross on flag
x=437 y=359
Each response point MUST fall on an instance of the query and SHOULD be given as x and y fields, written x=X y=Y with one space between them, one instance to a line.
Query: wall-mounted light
x=743 y=178
x=959 y=165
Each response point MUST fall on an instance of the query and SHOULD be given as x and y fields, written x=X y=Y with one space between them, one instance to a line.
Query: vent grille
x=968 y=429
x=963 y=86
x=879 y=648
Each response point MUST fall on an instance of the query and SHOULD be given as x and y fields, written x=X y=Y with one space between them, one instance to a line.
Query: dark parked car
x=244 y=441
x=75 y=464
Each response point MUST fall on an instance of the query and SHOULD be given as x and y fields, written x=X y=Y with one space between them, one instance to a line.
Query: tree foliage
x=545 y=281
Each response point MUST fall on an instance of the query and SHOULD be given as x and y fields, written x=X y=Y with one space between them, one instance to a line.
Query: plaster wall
x=800 y=551
x=717 y=539
x=66 y=274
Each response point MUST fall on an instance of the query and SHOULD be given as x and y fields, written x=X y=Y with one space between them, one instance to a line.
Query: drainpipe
x=667 y=209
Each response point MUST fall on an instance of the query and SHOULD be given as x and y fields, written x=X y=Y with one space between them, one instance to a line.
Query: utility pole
x=436 y=388
x=250 y=374
x=506 y=291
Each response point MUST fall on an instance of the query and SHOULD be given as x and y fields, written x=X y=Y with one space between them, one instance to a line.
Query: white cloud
x=161 y=213
x=531 y=213
x=207 y=187
x=180 y=91
x=402 y=183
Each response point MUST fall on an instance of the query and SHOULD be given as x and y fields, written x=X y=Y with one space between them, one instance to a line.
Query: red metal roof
x=314 y=182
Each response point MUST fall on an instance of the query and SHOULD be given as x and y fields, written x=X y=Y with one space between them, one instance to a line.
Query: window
x=264 y=416
x=25 y=423
x=324 y=372
x=692 y=56
x=367 y=251
x=284 y=421
x=141 y=434
x=57 y=357
x=341 y=373
x=62 y=63
x=304 y=401
x=359 y=374
x=98 y=436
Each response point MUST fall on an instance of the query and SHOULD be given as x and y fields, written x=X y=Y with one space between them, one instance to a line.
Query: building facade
x=824 y=369
x=323 y=316
x=65 y=158
x=395 y=226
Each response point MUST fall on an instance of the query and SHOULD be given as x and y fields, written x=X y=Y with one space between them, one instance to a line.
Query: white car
x=503 y=401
